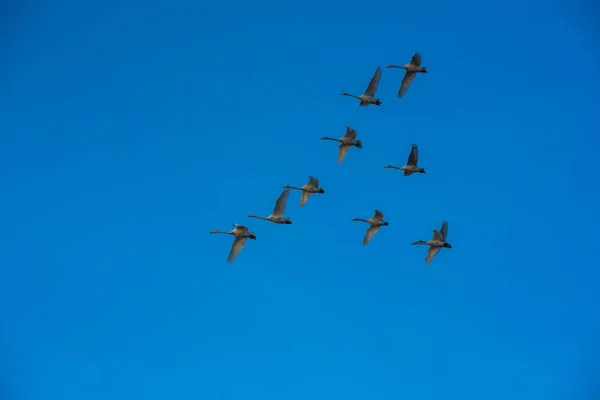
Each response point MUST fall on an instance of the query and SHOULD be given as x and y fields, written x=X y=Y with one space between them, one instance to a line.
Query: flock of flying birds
x=347 y=141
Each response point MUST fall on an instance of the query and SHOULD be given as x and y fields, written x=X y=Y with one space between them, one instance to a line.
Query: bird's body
x=368 y=97
x=277 y=214
x=436 y=243
x=412 y=164
x=308 y=190
x=347 y=141
x=376 y=222
x=241 y=234
x=412 y=68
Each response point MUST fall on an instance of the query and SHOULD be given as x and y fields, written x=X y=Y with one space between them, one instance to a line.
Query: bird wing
x=415 y=60
x=444 y=230
x=372 y=88
x=239 y=228
x=370 y=233
x=313 y=181
x=431 y=253
x=406 y=81
x=350 y=134
x=413 y=157
x=378 y=215
x=437 y=236
x=342 y=153
x=304 y=197
x=281 y=203
x=236 y=247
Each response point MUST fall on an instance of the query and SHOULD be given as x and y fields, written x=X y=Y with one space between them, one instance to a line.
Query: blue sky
x=131 y=129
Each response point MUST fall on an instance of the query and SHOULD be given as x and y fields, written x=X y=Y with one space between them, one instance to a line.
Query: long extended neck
x=396 y=66
x=360 y=219
x=393 y=167
x=256 y=216
x=419 y=242
x=328 y=138
x=351 y=95
x=292 y=187
x=223 y=232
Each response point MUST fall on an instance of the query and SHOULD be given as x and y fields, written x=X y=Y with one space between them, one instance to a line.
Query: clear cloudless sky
x=131 y=129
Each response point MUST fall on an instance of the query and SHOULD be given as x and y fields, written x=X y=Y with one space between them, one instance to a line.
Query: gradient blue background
x=130 y=129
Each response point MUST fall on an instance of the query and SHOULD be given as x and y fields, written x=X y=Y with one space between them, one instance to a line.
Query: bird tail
x=359 y=144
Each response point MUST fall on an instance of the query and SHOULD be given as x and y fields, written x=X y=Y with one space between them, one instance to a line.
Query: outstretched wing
x=444 y=230
x=304 y=198
x=342 y=153
x=236 y=247
x=416 y=60
x=350 y=133
x=431 y=253
x=369 y=235
x=372 y=88
x=281 y=203
x=378 y=215
x=413 y=157
x=313 y=181
x=437 y=236
x=406 y=81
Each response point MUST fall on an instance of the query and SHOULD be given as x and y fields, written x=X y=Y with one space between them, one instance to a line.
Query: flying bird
x=241 y=234
x=277 y=215
x=436 y=243
x=347 y=141
x=368 y=97
x=411 y=166
x=412 y=68
x=376 y=222
x=308 y=190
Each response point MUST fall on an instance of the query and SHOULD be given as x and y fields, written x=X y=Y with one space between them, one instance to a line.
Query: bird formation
x=347 y=141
